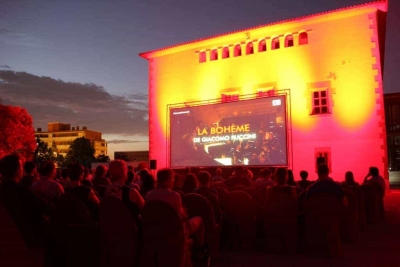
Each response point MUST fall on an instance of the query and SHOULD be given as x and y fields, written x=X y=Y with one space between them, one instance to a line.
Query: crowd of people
x=31 y=194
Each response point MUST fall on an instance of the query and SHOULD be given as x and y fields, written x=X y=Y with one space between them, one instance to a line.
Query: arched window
x=202 y=56
x=262 y=46
x=249 y=48
x=289 y=40
x=275 y=43
x=237 y=51
x=225 y=52
x=303 y=38
x=214 y=55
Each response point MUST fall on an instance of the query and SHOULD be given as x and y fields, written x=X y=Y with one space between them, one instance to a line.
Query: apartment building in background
x=61 y=135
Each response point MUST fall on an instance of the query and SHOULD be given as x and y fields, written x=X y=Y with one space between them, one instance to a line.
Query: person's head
x=190 y=183
x=142 y=165
x=118 y=171
x=349 y=178
x=30 y=167
x=76 y=171
x=204 y=178
x=303 y=175
x=374 y=171
x=265 y=173
x=218 y=172
x=130 y=168
x=148 y=182
x=239 y=171
x=47 y=170
x=323 y=171
x=165 y=178
x=100 y=171
x=248 y=174
x=11 y=168
x=281 y=176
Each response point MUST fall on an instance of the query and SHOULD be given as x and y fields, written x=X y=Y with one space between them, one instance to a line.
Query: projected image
x=247 y=132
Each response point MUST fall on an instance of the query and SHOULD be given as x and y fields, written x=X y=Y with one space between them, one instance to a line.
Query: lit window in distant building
x=229 y=97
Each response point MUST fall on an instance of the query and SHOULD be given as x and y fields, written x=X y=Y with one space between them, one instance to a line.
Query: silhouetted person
x=373 y=177
x=325 y=184
x=148 y=183
x=349 y=180
x=189 y=183
x=304 y=183
x=218 y=176
x=30 y=175
x=19 y=201
x=204 y=179
x=265 y=179
x=238 y=179
x=46 y=187
x=290 y=178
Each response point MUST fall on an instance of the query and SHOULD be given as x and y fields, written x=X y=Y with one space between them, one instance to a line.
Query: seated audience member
x=218 y=176
x=248 y=174
x=189 y=183
x=131 y=179
x=373 y=177
x=64 y=179
x=304 y=183
x=281 y=175
x=204 y=178
x=86 y=194
x=100 y=178
x=349 y=180
x=30 y=175
x=264 y=180
x=325 y=184
x=163 y=192
x=290 y=178
x=238 y=179
x=19 y=201
x=148 y=183
x=130 y=196
x=46 y=186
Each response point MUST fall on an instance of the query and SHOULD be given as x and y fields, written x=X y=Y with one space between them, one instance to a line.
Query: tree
x=42 y=152
x=16 y=132
x=102 y=158
x=81 y=150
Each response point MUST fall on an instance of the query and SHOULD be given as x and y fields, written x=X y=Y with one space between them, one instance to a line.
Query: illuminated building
x=392 y=111
x=61 y=135
x=328 y=65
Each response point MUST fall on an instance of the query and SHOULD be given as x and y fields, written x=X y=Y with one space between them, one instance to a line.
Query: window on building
x=237 y=51
x=229 y=97
x=262 y=46
x=249 y=48
x=275 y=44
x=225 y=52
x=202 y=56
x=323 y=156
x=214 y=55
x=303 y=38
x=320 y=102
x=289 y=40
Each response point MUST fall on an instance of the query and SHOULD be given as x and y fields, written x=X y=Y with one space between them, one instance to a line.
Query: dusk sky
x=81 y=56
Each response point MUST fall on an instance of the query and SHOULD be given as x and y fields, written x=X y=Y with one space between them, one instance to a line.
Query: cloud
x=13 y=38
x=115 y=141
x=4 y=67
x=49 y=100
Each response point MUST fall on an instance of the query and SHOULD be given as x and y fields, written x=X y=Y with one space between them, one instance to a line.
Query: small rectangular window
x=320 y=102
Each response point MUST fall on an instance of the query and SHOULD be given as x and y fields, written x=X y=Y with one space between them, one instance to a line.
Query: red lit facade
x=329 y=65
